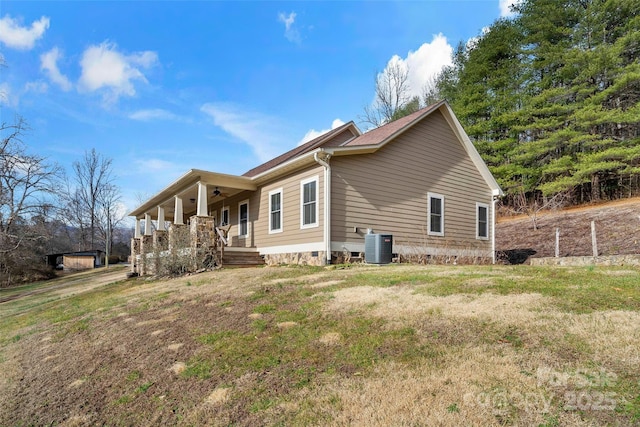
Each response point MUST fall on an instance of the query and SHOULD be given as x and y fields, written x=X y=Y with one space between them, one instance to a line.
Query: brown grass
x=360 y=346
x=617 y=230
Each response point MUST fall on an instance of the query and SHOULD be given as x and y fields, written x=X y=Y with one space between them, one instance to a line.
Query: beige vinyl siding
x=291 y=234
x=387 y=190
x=233 y=204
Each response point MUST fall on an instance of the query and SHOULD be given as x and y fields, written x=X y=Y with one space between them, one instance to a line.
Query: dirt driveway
x=72 y=284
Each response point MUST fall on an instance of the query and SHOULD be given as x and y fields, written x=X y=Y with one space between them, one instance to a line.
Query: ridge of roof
x=301 y=149
x=382 y=133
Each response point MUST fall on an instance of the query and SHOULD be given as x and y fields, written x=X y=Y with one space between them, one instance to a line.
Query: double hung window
x=309 y=203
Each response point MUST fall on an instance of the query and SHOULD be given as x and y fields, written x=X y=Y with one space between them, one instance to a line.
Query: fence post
x=557 y=242
x=594 y=243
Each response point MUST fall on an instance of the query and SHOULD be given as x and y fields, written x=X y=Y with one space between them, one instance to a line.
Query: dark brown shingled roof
x=378 y=135
x=323 y=140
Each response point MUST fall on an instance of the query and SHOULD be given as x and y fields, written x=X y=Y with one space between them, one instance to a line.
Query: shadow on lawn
x=515 y=256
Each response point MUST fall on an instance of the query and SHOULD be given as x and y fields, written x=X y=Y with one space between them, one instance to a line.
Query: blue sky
x=165 y=86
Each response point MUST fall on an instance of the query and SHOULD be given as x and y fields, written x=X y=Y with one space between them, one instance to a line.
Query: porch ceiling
x=186 y=187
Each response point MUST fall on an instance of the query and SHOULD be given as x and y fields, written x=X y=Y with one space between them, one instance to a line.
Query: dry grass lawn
x=360 y=345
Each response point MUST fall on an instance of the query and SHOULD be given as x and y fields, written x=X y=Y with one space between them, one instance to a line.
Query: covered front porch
x=176 y=231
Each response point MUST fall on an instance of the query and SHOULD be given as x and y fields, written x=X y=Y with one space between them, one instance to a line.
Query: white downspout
x=494 y=200
x=327 y=204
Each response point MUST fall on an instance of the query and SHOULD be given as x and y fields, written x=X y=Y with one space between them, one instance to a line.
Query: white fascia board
x=286 y=166
x=289 y=249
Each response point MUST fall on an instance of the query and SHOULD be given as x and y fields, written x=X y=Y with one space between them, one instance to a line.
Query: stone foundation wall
x=300 y=258
x=631 y=260
x=180 y=248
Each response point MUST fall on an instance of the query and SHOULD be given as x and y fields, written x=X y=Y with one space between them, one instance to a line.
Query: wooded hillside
x=550 y=98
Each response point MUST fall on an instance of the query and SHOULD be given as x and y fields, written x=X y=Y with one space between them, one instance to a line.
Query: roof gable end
x=377 y=138
x=326 y=139
x=392 y=129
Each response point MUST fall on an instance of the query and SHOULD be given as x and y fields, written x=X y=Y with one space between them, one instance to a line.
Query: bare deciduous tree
x=92 y=177
x=110 y=215
x=430 y=92
x=392 y=94
x=532 y=206
x=28 y=187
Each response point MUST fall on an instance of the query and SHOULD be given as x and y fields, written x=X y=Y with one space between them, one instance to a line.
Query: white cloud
x=425 y=63
x=260 y=131
x=104 y=67
x=37 y=86
x=505 y=8
x=473 y=41
x=154 y=165
x=312 y=133
x=49 y=64
x=152 y=114
x=15 y=36
x=6 y=95
x=290 y=31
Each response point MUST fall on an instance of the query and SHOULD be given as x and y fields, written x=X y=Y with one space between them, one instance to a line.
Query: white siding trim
x=478 y=206
x=287 y=249
x=271 y=193
x=429 y=197
x=302 y=184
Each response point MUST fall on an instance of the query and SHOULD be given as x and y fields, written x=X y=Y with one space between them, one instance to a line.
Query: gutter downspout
x=494 y=200
x=327 y=203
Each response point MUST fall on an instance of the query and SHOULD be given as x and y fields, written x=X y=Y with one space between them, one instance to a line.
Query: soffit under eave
x=163 y=197
x=186 y=187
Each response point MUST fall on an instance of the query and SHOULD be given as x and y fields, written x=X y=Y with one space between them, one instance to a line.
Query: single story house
x=418 y=178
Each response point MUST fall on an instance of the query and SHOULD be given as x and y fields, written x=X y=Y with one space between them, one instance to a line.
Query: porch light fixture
x=192 y=200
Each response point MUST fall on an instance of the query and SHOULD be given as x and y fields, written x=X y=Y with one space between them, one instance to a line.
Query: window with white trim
x=243 y=219
x=435 y=214
x=482 y=221
x=275 y=211
x=309 y=203
x=224 y=216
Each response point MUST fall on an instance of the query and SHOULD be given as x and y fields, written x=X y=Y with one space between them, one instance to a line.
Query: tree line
x=549 y=98
x=43 y=210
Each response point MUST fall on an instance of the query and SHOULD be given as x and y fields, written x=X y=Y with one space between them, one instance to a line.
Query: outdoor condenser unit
x=378 y=248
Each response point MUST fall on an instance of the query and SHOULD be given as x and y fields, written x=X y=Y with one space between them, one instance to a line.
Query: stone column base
x=135 y=253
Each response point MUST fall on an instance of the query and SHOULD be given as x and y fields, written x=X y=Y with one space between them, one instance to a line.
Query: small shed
x=82 y=260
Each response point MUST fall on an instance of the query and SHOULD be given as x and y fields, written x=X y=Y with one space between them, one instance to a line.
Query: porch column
x=178 y=216
x=136 y=230
x=160 y=226
x=202 y=200
x=147 y=225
